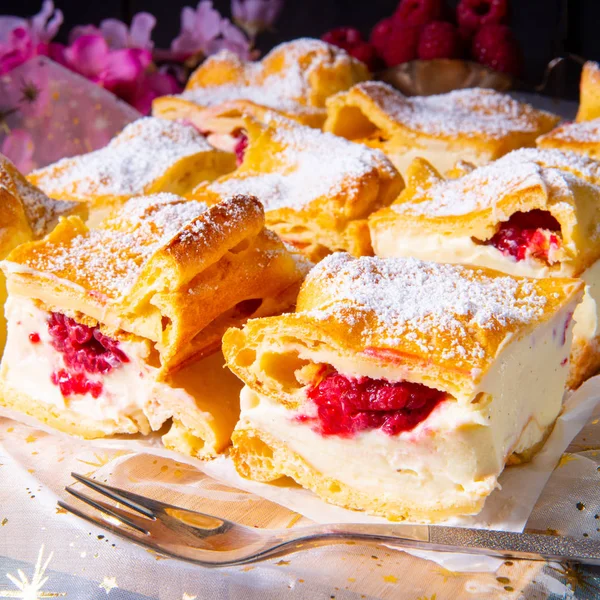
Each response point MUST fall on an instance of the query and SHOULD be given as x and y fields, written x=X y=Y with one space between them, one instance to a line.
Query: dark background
x=545 y=28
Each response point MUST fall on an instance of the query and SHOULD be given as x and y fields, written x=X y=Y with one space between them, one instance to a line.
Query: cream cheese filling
x=128 y=390
x=455 y=455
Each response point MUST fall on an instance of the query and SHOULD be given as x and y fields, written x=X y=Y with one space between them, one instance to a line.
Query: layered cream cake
x=476 y=125
x=117 y=329
x=401 y=387
x=532 y=212
x=294 y=79
x=149 y=156
x=317 y=189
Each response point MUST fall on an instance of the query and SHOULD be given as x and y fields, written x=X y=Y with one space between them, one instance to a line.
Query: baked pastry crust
x=564 y=184
x=589 y=92
x=448 y=327
x=582 y=137
x=294 y=79
x=149 y=156
x=317 y=189
x=478 y=125
x=153 y=270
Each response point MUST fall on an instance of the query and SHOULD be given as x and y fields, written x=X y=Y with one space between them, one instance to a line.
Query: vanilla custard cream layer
x=454 y=457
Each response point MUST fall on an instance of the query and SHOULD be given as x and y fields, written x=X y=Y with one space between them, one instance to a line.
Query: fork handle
x=504 y=544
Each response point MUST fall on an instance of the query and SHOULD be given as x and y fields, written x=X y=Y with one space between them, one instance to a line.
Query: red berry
x=34 y=338
x=240 y=148
x=401 y=45
x=439 y=40
x=365 y=52
x=380 y=34
x=347 y=405
x=343 y=37
x=474 y=14
x=497 y=47
x=418 y=12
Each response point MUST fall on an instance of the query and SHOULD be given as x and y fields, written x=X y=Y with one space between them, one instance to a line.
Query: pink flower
x=18 y=146
x=117 y=35
x=22 y=39
x=204 y=31
x=146 y=89
x=254 y=16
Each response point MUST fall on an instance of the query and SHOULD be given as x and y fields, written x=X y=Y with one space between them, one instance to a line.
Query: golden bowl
x=427 y=77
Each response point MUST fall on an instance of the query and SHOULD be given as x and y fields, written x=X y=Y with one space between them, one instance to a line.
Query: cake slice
x=118 y=329
x=317 y=189
x=294 y=79
x=476 y=125
x=149 y=156
x=401 y=387
x=26 y=214
x=582 y=137
x=532 y=212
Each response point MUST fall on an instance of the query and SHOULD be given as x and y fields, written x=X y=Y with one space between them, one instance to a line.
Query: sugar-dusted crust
x=149 y=156
x=582 y=137
x=482 y=124
x=317 y=189
x=294 y=79
x=474 y=205
x=443 y=325
x=589 y=92
x=259 y=456
x=177 y=273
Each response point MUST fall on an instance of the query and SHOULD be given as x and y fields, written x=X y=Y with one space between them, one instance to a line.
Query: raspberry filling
x=528 y=234
x=85 y=351
x=346 y=405
x=240 y=147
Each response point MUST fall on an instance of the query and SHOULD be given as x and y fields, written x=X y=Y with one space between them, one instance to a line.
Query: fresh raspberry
x=366 y=53
x=439 y=40
x=343 y=37
x=380 y=34
x=472 y=15
x=418 y=12
x=497 y=47
x=401 y=45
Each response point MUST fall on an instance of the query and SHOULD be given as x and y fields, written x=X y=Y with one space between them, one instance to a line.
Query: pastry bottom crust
x=258 y=456
x=203 y=431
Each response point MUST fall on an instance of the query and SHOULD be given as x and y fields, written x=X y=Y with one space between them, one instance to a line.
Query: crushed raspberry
x=472 y=15
x=528 y=234
x=439 y=40
x=418 y=12
x=346 y=406
x=240 y=147
x=496 y=47
x=34 y=338
x=84 y=350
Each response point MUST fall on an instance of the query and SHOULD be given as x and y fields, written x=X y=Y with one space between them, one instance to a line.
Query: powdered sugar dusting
x=108 y=260
x=487 y=185
x=133 y=160
x=469 y=112
x=417 y=300
x=586 y=132
x=312 y=164
x=288 y=89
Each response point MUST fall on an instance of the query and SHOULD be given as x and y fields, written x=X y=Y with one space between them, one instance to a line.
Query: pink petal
x=232 y=39
x=18 y=146
x=140 y=32
x=8 y=25
x=46 y=23
x=57 y=53
x=115 y=33
x=88 y=55
x=208 y=20
x=18 y=49
x=81 y=30
x=127 y=65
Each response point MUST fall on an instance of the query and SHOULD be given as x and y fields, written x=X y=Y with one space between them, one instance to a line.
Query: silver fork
x=214 y=541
